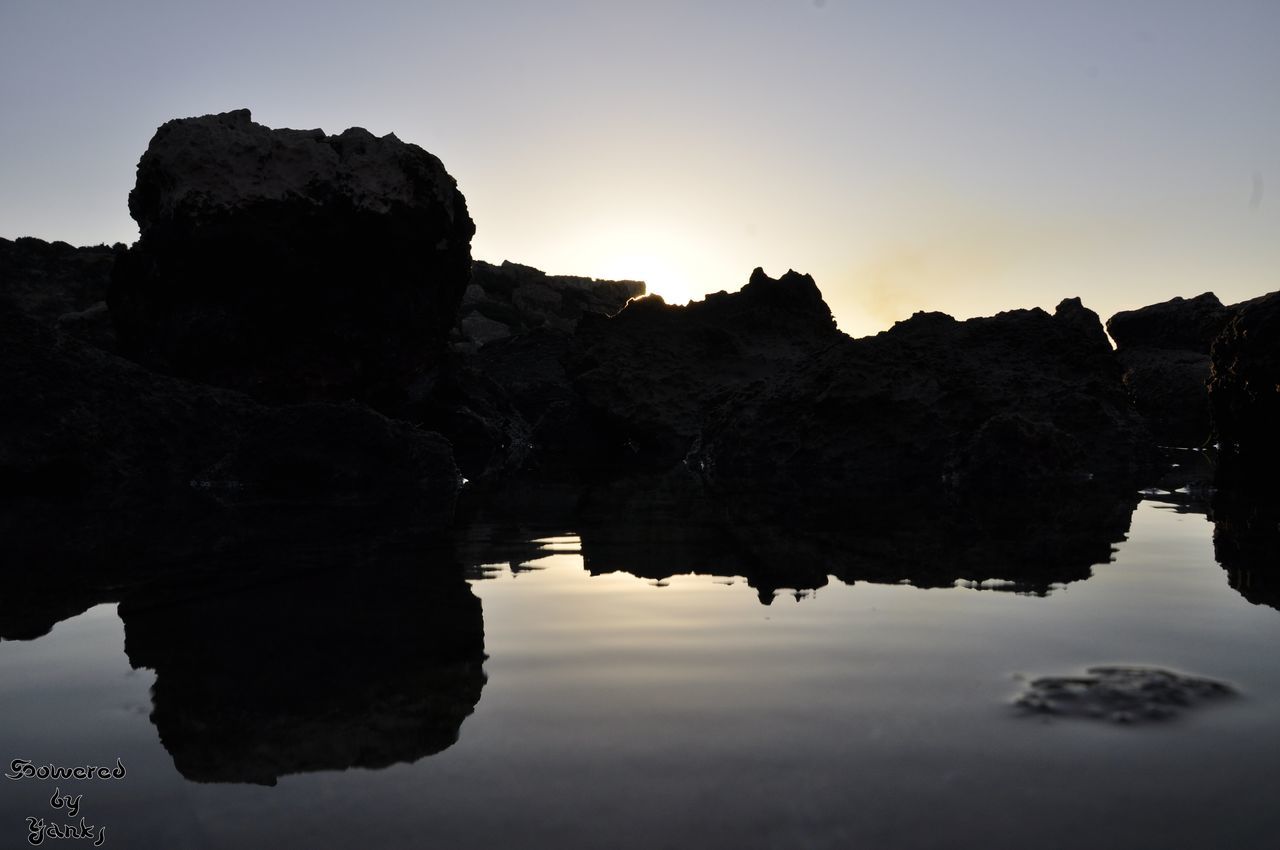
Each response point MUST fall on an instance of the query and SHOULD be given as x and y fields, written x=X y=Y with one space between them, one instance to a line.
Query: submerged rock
x=1120 y=694
x=290 y=264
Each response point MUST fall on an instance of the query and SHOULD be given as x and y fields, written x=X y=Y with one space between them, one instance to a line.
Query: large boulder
x=290 y=264
x=1244 y=388
x=1164 y=351
x=991 y=414
x=54 y=282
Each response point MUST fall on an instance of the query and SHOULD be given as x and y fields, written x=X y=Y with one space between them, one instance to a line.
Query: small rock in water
x=1119 y=694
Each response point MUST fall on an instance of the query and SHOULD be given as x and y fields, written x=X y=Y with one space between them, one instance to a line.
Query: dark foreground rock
x=108 y=471
x=374 y=656
x=1164 y=350
x=1125 y=695
x=1244 y=388
x=290 y=264
x=510 y=299
x=934 y=415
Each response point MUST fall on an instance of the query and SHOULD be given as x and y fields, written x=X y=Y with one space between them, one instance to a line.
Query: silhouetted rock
x=1164 y=350
x=1244 y=388
x=108 y=471
x=935 y=413
x=54 y=282
x=291 y=264
x=1179 y=324
x=651 y=376
x=510 y=299
x=371 y=658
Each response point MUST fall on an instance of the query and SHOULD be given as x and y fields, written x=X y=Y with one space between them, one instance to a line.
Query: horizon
x=1017 y=154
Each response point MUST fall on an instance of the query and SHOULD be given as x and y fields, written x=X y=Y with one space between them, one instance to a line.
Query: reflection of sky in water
x=620 y=714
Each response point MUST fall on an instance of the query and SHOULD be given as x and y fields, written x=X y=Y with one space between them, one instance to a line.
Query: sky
x=968 y=156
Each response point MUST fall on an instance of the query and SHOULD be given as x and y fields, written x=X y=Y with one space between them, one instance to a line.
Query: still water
x=613 y=711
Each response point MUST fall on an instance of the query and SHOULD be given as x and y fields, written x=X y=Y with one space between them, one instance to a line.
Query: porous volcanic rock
x=990 y=413
x=290 y=264
x=1164 y=351
x=651 y=376
x=1244 y=388
x=510 y=299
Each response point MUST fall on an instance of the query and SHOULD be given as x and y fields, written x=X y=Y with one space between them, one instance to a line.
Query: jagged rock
x=934 y=413
x=1120 y=694
x=1164 y=351
x=511 y=299
x=1244 y=388
x=291 y=264
x=103 y=461
x=652 y=375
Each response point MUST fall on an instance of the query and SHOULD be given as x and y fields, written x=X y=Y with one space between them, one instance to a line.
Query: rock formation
x=1244 y=388
x=990 y=413
x=651 y=376
x=108 y=471
x=510 y=299
x=1164 y=350
x=290 y=264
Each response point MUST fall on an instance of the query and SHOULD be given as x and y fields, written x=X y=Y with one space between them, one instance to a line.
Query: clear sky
x=960 y=155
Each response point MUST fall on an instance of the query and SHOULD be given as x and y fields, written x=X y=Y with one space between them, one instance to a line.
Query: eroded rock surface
x=1120 y=694
x=511 y=299
x=291 y=264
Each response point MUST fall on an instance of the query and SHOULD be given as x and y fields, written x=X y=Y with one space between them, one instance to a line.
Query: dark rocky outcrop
x=511 y=299
x=989 y=414
x=109 y=472
x=54 y=282
x=651 y=376
x=1164 y=350
x=290 y=264
x=1244 y=388
x=371 y=657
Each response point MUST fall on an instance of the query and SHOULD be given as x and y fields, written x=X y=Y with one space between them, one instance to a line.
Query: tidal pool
x=613 y=711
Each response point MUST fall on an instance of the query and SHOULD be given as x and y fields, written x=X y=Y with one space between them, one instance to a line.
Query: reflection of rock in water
x=1120 y=694
x=660 y=526
x=362 y=665
x=1246 y=540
